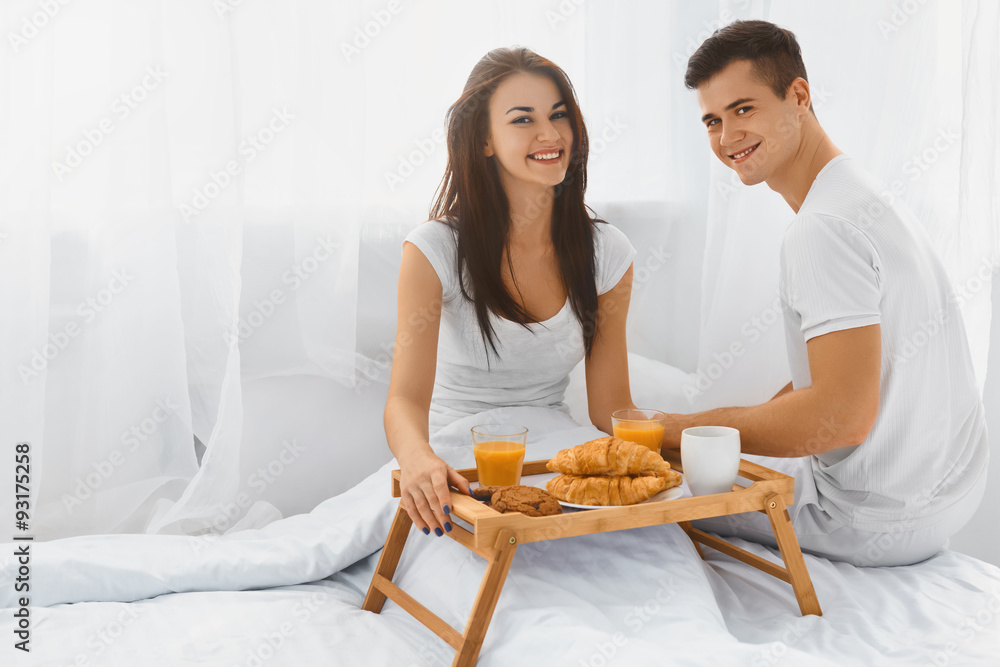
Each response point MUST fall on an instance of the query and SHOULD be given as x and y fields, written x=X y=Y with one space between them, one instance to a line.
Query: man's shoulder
x=845 y=191
x=817 y=223
x=817 y=235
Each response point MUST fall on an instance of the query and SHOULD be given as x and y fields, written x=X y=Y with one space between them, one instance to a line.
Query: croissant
x=620 y=490
x=608 y=456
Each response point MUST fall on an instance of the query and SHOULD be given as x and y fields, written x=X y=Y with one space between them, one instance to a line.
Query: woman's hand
x=425 y=496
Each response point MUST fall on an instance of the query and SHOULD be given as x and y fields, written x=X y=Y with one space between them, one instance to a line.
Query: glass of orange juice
x=643 y=427
x=499 y=451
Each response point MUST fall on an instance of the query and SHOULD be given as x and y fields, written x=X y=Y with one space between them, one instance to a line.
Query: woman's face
x=530 y=133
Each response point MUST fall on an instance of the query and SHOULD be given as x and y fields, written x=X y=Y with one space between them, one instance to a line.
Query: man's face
x=750 y=129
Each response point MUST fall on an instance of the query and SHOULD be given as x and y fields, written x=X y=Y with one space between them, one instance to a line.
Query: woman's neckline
x=542 y=322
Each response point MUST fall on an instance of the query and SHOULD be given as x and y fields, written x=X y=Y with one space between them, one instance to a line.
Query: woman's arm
x=607 y=366
x=424 y=476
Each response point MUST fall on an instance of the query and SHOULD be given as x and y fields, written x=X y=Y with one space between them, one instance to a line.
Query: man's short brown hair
x=774 y=52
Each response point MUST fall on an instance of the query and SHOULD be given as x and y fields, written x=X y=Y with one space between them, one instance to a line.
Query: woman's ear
x=488 y=149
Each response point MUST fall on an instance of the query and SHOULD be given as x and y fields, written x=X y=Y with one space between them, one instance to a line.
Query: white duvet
x=290 y=594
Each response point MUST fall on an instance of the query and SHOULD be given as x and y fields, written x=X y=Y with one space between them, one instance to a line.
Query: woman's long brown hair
x=472 y=200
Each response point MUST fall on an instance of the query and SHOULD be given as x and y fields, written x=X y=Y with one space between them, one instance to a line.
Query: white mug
x=710 y=456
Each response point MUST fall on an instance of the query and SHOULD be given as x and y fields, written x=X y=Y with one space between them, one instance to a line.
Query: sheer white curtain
x=182 y=204
x=191 y=190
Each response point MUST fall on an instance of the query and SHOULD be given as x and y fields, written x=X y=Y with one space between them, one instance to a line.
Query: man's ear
x=799 y=90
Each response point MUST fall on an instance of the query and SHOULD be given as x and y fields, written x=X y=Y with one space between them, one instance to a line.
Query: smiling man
x=882 y=425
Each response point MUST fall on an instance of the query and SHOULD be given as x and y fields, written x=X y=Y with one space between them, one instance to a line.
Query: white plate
x=540 y=480
x=666 y=494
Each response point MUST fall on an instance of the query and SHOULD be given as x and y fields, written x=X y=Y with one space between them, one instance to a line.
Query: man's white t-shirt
x=535 y=361
x=850 y=259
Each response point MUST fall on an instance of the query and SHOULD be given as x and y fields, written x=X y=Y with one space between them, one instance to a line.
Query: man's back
x=850 y=259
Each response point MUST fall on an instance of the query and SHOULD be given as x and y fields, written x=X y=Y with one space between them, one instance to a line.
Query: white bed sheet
x=636 y=597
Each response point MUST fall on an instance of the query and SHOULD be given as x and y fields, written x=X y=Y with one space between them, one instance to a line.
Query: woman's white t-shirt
x=534 y=361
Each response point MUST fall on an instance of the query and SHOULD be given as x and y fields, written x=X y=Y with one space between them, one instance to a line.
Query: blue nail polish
x=447 y=510
x=471 y=493
x=447 y=527
x=437 y=531
x=427 y=531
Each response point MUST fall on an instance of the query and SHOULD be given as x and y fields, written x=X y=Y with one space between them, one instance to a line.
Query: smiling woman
x=512 y=266
x=516 y=105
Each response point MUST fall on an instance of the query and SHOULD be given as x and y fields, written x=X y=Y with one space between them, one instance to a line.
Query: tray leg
x=389 y=559
x=686 y=526
x=791 y=553
x=486 y=599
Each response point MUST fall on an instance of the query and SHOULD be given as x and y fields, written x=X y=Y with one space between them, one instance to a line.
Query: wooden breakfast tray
x=495 y=537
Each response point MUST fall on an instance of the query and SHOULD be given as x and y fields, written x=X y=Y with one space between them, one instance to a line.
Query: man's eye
x=712 y=122
x=743 y=110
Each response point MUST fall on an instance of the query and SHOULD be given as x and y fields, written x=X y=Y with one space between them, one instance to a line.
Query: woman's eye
x=521 y=120
x=559 y=114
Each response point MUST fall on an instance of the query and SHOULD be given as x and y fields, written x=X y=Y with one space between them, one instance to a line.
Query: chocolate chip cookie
x=524 y=499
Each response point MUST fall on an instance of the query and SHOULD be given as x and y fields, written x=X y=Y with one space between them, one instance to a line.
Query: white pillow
x=654 y=385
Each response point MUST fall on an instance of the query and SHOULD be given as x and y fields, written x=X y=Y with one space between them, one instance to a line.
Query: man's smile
x=745 y=153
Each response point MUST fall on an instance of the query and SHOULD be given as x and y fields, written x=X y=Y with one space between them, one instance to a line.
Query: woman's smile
x=547 y=156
